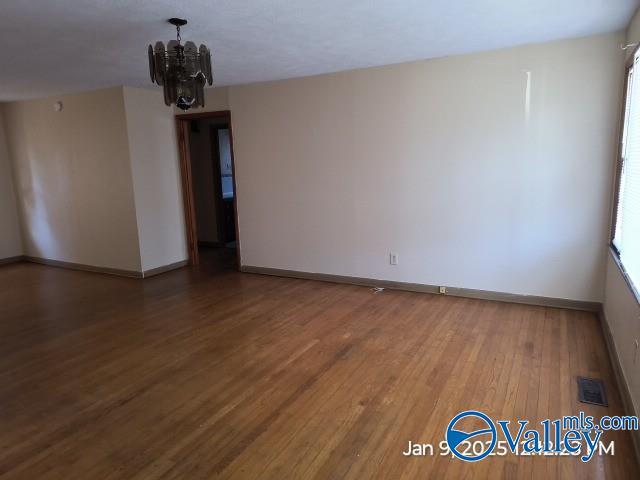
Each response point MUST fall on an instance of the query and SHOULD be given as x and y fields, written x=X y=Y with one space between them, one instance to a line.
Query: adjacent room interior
x=210 y=184
x=320 y=240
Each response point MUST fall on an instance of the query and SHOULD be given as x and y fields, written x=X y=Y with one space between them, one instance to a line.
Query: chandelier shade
x=181 y=70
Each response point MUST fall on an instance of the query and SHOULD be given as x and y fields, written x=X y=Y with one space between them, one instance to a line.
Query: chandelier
x=182 y=70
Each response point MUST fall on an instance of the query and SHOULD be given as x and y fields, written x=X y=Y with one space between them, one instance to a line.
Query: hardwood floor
x=209 y=373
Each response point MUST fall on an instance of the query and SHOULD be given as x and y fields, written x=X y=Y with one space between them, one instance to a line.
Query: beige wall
x=73 y=175
x=99 y=182
x=156 y=178
x=10 y=236
x=472 y=177
x=467 y=167
x=622 y=309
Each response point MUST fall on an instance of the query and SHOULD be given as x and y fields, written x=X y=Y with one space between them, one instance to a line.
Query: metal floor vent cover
x=592 y=391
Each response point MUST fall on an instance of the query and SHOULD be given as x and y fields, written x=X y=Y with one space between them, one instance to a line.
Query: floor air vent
x=592 y=391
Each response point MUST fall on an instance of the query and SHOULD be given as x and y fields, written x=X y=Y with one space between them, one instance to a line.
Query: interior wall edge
x=131 y=173
x=155 y=173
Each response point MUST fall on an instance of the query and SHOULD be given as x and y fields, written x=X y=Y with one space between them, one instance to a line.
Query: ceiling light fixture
x=182 y=70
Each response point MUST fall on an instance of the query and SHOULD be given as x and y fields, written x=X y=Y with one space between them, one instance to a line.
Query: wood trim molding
x=83 y=267
x=424 y=288
x=621 y=380
x=8 y=260
x=164 y=268
x=184 y=155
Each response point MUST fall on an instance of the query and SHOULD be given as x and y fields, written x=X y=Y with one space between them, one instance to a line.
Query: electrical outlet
x=393 y=258
x=442 y=290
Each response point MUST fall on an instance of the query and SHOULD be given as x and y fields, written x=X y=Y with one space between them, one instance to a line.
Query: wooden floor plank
x=209 y=373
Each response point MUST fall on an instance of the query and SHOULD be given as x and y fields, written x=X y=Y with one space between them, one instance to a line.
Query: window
x=626 y=227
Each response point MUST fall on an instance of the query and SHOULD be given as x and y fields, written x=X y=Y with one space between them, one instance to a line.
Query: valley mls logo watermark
x=472 y=436
x=572 y=435
x=484 y=438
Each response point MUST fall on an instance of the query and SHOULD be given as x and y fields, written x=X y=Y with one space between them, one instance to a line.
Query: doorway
x=205 y=145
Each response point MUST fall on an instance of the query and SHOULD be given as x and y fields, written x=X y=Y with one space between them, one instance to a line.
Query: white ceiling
x=51 y=47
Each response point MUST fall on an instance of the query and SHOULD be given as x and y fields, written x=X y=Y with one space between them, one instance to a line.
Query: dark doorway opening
x=209 y=189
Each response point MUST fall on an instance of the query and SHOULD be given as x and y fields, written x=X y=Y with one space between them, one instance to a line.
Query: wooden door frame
x=184 y=155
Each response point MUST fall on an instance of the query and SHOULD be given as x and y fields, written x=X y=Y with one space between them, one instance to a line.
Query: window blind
x=627 y=227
